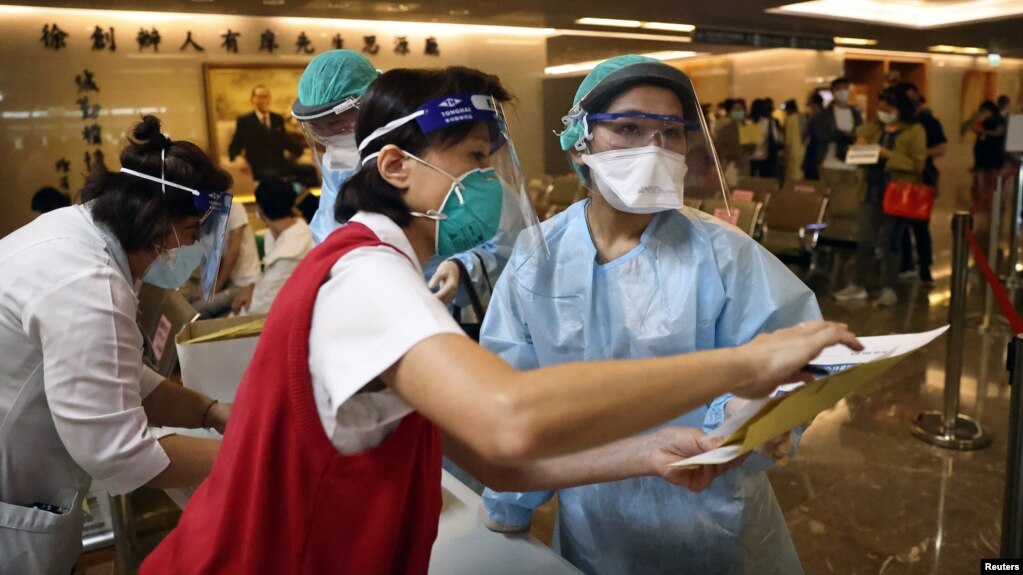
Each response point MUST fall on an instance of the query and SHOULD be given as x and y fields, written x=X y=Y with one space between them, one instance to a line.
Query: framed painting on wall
x=251 y=131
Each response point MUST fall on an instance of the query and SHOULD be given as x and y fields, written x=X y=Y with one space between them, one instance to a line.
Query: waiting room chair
x=745 y=215
x=563 y=192
x=792 y=226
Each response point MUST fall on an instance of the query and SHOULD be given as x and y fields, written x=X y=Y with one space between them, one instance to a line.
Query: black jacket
x=264 y=149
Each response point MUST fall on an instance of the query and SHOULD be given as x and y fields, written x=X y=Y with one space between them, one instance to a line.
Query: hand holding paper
x=764 y=419
x=668 y=444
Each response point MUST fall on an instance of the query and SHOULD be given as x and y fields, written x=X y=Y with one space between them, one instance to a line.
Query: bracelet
x=206 y=414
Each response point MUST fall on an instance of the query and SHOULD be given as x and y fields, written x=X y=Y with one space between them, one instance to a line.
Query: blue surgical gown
x=484 y=262
x=694 y=283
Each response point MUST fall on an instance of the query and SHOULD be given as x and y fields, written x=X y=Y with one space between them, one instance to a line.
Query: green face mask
x=473 y=220
x=471 y=212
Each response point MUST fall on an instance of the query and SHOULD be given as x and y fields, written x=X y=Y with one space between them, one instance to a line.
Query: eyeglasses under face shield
x=213 y=209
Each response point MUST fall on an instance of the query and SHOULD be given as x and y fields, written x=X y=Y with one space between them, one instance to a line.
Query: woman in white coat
x=76 y=401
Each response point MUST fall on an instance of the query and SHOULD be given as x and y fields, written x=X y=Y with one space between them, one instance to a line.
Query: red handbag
x=908 y=200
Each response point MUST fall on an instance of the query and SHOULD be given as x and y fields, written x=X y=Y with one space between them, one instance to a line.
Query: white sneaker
x=887 y=298
x=850 y=292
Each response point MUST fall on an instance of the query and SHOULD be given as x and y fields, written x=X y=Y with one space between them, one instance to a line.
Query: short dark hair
x=838 y=81
x=1003 y=99
x=817 y=99
x=49 y=198
x=396 y=94
x=898 y=98
x=137 y=211
x=276 y=198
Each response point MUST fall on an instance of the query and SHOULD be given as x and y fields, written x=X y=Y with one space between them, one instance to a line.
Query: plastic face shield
x=518 y=218
x=332 y=125
x=213 y=209
x=622 y=127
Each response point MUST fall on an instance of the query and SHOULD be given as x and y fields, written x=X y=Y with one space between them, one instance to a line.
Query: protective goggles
x=636 y=129
x=213 y=209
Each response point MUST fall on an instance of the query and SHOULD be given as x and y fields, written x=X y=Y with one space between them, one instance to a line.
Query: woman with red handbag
x=897 y=175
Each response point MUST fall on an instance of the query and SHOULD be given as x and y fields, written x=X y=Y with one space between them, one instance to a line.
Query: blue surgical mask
x=470 y=213
x=172 y=268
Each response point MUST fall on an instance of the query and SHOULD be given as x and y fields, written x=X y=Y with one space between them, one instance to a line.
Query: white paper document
x=763 y=419
x=876 y=347
x=863 y=154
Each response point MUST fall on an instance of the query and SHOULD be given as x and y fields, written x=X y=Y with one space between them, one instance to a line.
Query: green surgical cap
x=573 y=122
x=335 y=76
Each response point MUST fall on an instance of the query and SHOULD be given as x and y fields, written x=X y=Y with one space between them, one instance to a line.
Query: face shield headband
x=213 y=209
x=443 y=112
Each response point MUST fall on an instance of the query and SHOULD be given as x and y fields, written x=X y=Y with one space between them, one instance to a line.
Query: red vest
x=281 y=499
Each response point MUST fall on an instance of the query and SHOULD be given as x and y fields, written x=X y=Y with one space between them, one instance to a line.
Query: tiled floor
x=863 y=495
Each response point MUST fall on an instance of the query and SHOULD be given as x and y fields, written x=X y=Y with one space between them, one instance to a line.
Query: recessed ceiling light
x=963 y=50
x=587 y=66
x=669 y=26
x=458 y=12
x=854 y=41
x=905 y=13
x=609 y=22
x=273 y=2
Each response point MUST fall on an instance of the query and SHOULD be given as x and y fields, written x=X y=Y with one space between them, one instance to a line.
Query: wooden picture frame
x=228 y=89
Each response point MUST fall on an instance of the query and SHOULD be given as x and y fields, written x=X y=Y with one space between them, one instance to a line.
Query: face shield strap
x=163 y=182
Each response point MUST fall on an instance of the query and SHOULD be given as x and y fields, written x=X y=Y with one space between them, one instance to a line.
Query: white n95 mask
x=642 y=180
x=342 y=153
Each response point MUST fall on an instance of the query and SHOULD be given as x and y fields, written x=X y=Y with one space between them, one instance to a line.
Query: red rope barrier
x=1015 y=322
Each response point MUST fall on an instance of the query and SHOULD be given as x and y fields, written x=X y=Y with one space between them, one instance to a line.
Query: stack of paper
x=247 y=329
x=765 y=419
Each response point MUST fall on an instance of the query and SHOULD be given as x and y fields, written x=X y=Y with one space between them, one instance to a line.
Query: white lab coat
x=71 y=386
x=283 y=255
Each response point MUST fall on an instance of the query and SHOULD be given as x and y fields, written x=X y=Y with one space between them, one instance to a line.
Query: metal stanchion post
x=122 y=543
x=992 y=251
x=1012 y=281
x=949 y=428
x=1012 y=505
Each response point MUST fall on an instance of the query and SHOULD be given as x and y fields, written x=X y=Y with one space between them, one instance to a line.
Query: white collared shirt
x=71 y=379
x=374 y=308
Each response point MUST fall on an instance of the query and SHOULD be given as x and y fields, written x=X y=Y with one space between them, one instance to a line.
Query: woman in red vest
x=331 y=462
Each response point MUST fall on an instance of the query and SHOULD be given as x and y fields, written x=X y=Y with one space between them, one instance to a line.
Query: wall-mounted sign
x=761 y=39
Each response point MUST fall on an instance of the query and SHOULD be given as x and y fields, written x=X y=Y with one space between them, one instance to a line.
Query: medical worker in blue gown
x=327 y=109
x=633 y=274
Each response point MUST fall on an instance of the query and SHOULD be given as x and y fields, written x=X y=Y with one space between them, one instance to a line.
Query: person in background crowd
x=632 y=276
x=811 y=137
x=795 y=150
x=989 y=126
x=287 y=241
x=764 y=159
x=734 y=158
x=1004 y=105
x=903 y=156
x=937 y=145
x=836 y=128
x=48 y=198
x=261 y=139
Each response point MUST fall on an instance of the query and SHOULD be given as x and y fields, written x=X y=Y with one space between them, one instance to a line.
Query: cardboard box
x=161 y=314
x=215 y=367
